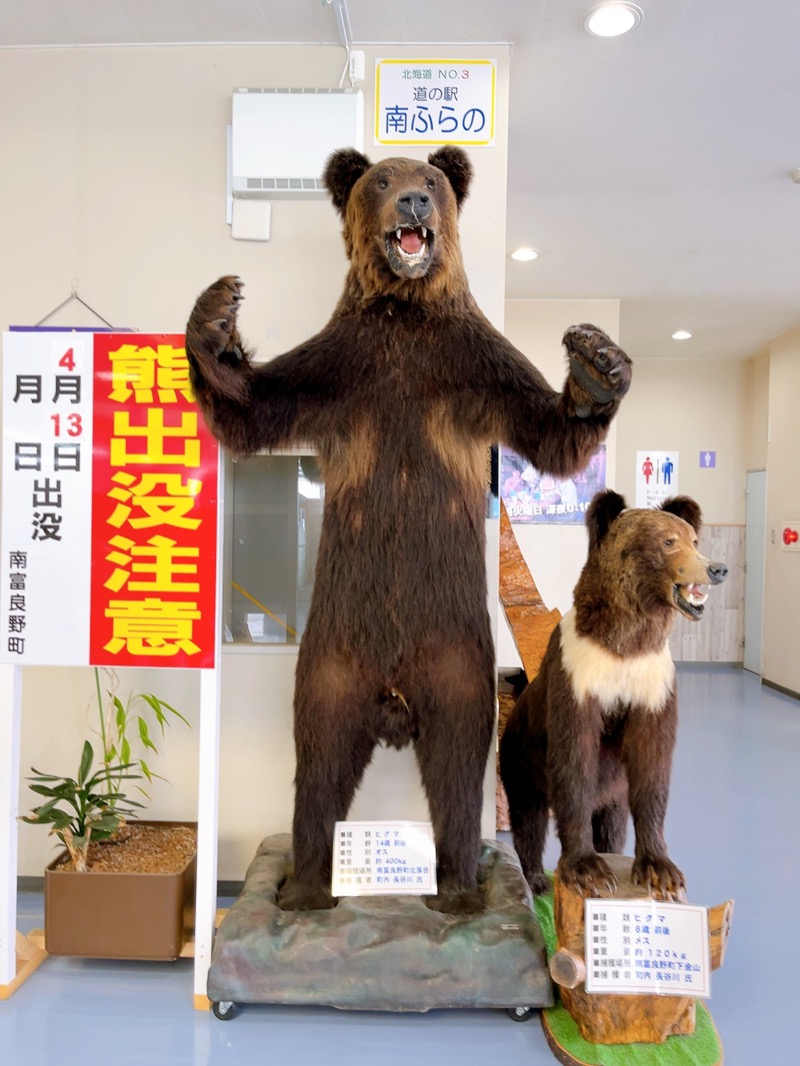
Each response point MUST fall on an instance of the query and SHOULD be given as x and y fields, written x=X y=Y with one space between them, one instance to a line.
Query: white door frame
x=755 y=554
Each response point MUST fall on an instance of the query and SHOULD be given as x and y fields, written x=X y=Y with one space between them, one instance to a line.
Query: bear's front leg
x=647 y=754
x=573 y=758
x=600 y=372
x=218 y=361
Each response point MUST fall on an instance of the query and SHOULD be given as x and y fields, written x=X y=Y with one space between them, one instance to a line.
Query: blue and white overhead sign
x=435 y=101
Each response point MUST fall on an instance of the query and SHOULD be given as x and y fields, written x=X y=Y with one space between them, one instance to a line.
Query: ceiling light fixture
x=612 y=19
x=525 y=255
x=682 y=335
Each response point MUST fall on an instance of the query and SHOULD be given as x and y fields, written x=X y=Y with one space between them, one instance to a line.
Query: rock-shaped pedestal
x=382 y=952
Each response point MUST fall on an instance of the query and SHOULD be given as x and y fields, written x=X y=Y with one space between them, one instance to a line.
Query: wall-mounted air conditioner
x=281 y=138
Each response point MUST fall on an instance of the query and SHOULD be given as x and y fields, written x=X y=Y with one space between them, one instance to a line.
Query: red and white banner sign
x=109 y=521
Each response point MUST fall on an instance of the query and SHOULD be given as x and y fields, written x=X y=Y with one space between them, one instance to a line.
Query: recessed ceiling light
x=612 y=19
x=681 y=335
x=524 y=255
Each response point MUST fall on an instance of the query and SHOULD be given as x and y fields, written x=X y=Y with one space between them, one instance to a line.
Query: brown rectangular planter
x=104 y=915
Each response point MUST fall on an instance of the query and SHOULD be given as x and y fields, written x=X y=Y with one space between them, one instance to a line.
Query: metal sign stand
x=19 y=956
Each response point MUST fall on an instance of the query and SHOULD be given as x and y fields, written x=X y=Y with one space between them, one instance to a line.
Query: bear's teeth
x=424 y=232
x=696 y=596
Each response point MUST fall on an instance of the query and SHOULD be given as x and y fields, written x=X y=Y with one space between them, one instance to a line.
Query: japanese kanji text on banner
x=109 y=524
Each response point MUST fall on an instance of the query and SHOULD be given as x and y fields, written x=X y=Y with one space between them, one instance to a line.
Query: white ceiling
x=653 y=168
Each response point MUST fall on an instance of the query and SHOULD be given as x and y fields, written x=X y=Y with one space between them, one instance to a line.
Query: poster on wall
x=531 y=497
x=656 y=477
x=109 y=504
x=435 y=101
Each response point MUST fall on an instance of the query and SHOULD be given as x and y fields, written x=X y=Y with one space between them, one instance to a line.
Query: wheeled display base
x=388 y=953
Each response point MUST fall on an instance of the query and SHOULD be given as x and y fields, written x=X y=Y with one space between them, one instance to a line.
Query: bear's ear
x=342 y=171
x=604 y=509
x=687 y=509
x=455 y=165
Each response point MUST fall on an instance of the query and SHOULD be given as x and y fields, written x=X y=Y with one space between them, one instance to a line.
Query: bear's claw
x=589 y=873
x=660 y=875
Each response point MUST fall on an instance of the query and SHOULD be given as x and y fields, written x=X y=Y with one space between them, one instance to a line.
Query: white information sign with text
x=647 y=946
x=435 y=101
x=384 y=858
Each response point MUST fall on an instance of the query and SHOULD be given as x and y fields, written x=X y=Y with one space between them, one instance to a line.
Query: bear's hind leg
x=456 y=720
x=333 y=750
x=522 y=769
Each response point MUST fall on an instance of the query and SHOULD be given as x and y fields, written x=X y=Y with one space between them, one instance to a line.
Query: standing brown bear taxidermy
x=400 y=393
x=592 y=736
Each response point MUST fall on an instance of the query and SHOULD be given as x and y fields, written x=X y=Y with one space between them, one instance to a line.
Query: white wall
x=114 y=181
x=781 y=662
x=689 y=406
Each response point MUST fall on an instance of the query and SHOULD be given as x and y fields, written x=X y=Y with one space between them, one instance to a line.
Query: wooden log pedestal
x=618 y=1019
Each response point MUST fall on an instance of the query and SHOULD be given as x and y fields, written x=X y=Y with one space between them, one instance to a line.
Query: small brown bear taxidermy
x=400 y=393
x=592 y=736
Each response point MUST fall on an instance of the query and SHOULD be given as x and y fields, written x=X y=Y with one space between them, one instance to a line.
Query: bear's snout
x=414 y=207
x=717 y=572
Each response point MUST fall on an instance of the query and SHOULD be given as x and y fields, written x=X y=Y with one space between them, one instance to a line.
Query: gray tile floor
x=732 y=827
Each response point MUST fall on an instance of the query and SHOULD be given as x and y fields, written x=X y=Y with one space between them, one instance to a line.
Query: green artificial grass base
x=701 y=1048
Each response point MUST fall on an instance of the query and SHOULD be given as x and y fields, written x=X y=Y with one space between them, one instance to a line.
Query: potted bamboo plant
x=124 y=887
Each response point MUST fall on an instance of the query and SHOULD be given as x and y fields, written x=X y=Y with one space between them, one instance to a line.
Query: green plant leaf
x=146 y=770
x=158 y=706
x=43 y=790
x=144 y=735
x=120 y=713
x=125 y=750
x=87 y=758
x=39 y=776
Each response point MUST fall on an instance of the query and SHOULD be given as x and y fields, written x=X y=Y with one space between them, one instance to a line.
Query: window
x=273 y=521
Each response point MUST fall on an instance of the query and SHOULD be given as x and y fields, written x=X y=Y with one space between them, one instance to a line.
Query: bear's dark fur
x=592 y=736
x=400 y=393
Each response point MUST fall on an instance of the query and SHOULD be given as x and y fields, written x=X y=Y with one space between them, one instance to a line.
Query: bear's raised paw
x=213 y=345
x=598 y=366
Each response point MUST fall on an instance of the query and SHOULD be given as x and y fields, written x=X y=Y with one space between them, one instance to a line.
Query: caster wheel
x=225 y=1010
x=520 y=1014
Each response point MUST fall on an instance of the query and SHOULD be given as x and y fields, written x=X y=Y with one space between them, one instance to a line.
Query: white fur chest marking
x=644 y=681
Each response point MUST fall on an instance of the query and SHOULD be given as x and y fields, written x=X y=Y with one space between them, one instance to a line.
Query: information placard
x=647 y=946
x=383 y=858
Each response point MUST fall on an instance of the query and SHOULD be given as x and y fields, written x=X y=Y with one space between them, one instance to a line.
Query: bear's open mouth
x=409 y=250
x=690 y=599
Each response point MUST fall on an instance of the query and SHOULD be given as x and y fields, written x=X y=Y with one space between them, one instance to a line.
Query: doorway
x=754 y=556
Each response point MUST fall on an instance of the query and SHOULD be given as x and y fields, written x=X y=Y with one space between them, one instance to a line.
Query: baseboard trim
x=781 y=688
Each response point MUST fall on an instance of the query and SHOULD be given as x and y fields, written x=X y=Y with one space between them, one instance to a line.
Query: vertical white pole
x=207 y=829
x=10 y=716
x=208 y=785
